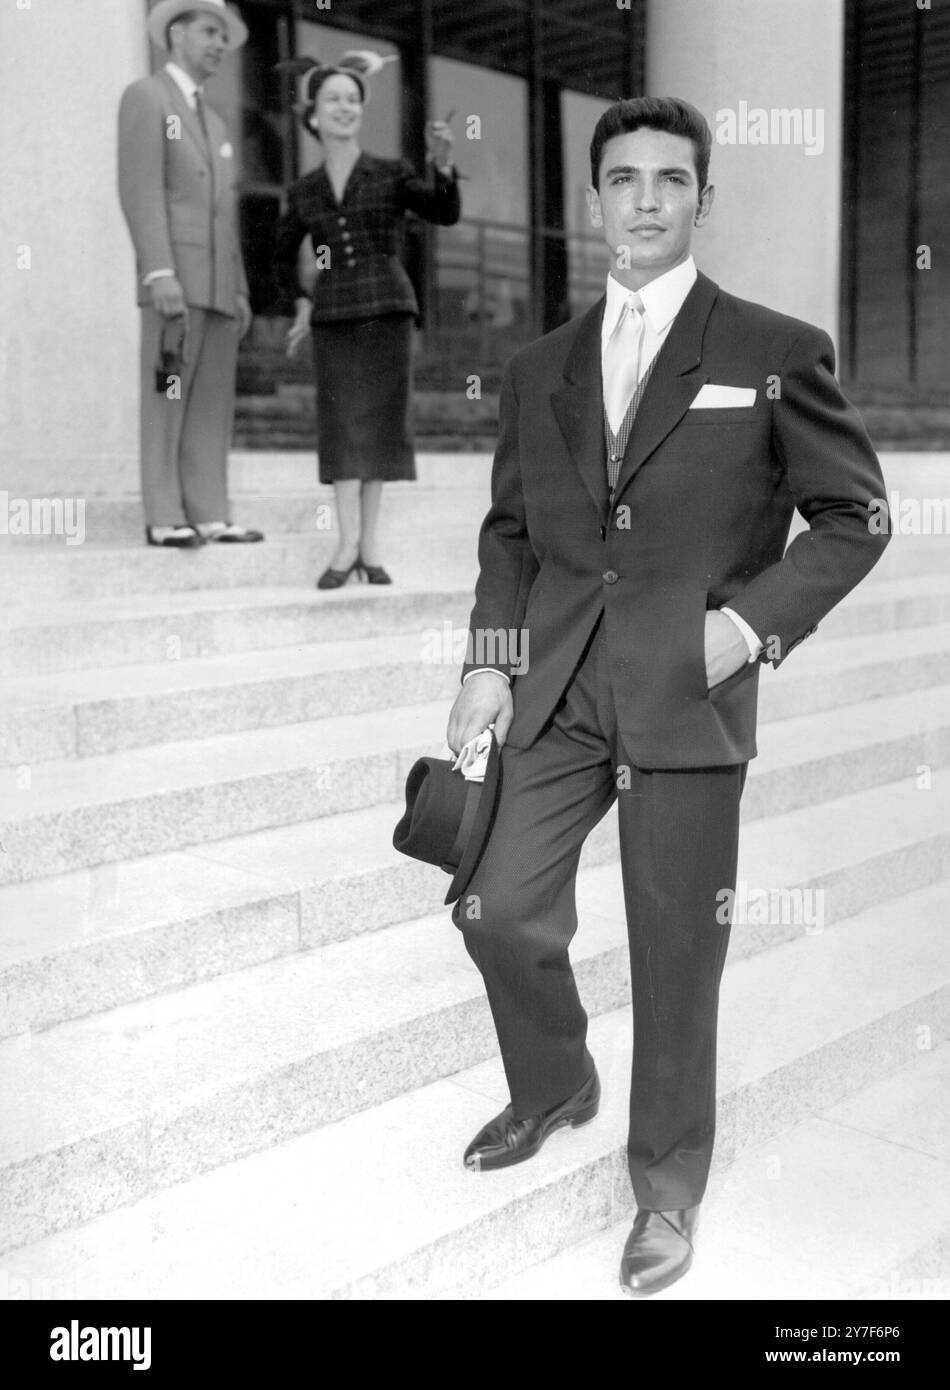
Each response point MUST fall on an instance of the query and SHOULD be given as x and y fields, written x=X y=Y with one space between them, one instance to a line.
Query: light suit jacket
x=178 y=196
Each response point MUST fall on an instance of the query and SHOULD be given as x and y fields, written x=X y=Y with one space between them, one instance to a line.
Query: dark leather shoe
x=175 y=537
x=659 y=1250
x=335 y=579
x=375 y=574
x=505 y=1140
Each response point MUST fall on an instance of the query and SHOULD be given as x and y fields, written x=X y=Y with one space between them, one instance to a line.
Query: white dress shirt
x=662 y=300
x=187 y=83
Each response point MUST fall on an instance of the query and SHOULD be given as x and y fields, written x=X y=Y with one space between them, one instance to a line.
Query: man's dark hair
x=185 y=18
x=670 y=114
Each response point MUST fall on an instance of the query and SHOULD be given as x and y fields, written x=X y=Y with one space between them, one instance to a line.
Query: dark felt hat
x=448 y=818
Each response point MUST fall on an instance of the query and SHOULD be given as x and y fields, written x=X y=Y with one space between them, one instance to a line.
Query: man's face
x=648 y=202
x=198 y=47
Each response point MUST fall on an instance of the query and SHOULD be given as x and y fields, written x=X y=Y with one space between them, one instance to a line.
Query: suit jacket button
x=610 y=576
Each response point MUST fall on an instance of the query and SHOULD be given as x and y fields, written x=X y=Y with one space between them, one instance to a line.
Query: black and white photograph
x=500 y=850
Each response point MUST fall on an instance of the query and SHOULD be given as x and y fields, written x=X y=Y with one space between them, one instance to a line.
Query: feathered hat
x=358 y=63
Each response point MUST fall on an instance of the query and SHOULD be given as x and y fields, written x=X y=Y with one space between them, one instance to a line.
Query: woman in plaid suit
x=363 y=305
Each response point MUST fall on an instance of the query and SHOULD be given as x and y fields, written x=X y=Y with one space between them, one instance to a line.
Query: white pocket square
x=721 y=397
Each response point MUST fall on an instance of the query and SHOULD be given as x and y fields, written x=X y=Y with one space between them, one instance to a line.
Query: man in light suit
x=176 y=187
x=650 y=456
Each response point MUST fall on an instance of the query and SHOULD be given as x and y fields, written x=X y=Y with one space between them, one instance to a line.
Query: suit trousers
x=185 y=441
x=678 y=852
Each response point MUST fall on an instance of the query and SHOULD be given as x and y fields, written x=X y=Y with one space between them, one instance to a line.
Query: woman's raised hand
x=439 y=142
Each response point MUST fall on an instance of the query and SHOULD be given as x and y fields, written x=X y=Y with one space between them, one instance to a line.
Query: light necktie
x=200 y=109
x=622 y=365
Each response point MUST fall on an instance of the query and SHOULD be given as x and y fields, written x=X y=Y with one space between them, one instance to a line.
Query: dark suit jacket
x=365 y=276
x=178 y=196
x=710 y=495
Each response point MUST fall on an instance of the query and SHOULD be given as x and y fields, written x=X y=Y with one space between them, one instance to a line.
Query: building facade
x=830 y=160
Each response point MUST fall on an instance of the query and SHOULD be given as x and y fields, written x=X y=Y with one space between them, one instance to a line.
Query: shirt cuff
x=479 y=669
x=156 y=275
x=751 y=640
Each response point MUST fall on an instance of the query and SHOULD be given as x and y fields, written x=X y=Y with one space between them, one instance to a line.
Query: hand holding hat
x=472 y=758
x=449 y=815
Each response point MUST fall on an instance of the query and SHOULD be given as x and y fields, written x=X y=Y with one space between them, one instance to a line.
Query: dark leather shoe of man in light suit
x=637 y=556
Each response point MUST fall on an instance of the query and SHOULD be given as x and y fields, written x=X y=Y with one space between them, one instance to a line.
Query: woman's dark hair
x=669 y=114
x=315 y=82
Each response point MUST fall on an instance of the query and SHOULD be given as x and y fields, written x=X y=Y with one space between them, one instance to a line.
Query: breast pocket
x=728 y=415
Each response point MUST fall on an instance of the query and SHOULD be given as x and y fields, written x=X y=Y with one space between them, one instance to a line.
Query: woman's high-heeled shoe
x=375 y=574
x=335 y=579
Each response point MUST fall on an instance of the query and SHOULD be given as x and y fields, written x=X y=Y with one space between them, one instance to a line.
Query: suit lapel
x=189 y=118
x=675 y=382
x=218 y=135
x=578 y=406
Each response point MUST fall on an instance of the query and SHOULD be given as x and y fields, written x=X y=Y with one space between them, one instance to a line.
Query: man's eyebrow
x=635 y=169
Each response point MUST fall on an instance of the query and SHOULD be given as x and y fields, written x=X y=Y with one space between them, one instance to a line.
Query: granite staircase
x=241 y=1044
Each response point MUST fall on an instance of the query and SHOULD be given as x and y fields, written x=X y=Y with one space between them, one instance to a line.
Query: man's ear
x=705 y=204
x=594 y=208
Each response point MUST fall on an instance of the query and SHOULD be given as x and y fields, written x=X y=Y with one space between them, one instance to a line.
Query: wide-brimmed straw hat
x=167 y=11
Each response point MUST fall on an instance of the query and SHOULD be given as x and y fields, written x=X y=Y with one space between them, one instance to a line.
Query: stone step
x=70 y=813
x=85 y=942
x=151 y=628
x=120 y=521
x=88 y=713
x=378 y=1205
x=851 y=1203
x=107 y=632
x=442 y=518
x=48 y=573
x=86 y=572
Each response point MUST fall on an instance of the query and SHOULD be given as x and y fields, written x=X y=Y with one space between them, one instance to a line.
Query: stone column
x=69 y=326
x=774 y=231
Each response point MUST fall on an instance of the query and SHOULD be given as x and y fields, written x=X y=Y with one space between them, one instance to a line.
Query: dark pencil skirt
x=364 y=390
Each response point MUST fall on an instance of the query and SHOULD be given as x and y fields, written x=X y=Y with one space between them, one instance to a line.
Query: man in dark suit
x=176 y=187
x=650 y=457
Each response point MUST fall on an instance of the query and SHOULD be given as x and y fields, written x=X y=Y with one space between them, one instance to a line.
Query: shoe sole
x=583 y=1117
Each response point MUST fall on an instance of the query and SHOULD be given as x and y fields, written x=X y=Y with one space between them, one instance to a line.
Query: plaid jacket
x=363 y=276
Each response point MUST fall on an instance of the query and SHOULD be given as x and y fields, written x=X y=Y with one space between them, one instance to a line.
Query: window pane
x=587 y=257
